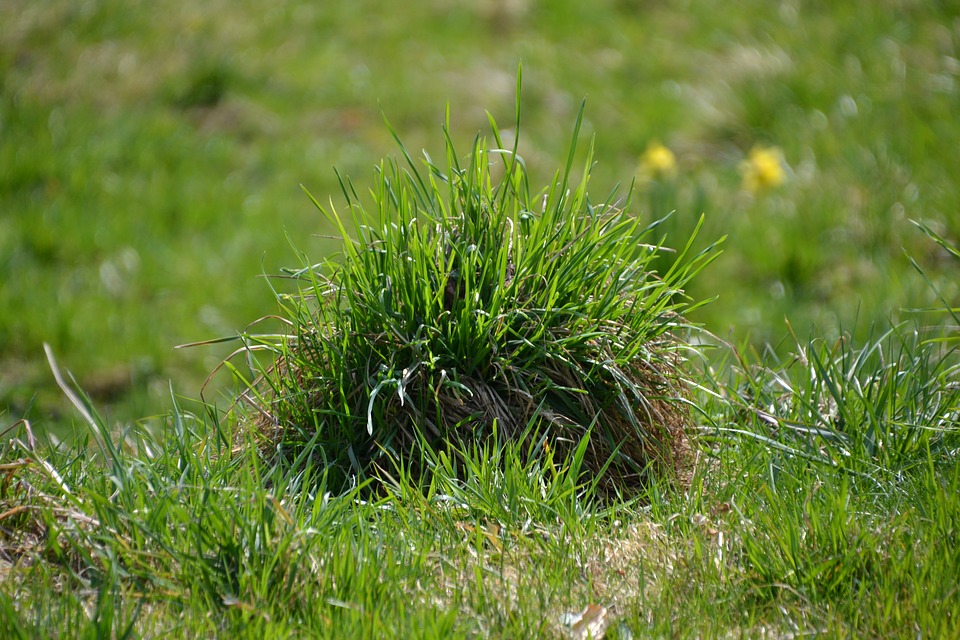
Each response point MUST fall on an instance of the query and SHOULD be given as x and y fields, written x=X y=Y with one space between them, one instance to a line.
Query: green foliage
x=142 y=182
x=121 y=207
x=814 y=544
x=465 y=302
x=173 y=528
x=867 y=409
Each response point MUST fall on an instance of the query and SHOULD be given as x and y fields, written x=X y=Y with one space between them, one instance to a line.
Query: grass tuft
x=464 y=303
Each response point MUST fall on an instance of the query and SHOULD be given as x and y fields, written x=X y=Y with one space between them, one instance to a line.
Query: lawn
x=151 y=163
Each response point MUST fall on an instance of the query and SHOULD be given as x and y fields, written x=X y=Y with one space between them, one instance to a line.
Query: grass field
x=150 y=162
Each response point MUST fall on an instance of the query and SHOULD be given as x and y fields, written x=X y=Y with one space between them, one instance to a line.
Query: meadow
x=151 y=157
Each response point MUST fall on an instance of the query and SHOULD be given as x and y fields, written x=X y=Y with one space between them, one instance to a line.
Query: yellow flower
x=763 y=169
x=657 y=162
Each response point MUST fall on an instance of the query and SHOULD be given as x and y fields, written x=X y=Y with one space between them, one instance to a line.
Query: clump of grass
x=462 y=302
x=869 y=409
x=872 y=409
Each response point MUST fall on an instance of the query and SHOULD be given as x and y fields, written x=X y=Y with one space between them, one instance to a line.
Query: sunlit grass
x=158 y=169
x=150 y=157
x=824 y=497
x=466 y=301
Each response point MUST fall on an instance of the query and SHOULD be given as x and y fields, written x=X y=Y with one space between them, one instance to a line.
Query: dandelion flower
x=657 y=163
x=763 y=169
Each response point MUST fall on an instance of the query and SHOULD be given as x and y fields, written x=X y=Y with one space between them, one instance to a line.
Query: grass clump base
x=464 y=303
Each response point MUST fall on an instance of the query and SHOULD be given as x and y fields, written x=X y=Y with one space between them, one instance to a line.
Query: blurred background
x=151 y=155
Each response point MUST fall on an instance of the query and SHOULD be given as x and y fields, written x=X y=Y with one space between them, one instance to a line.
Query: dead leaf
x=590 y=623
